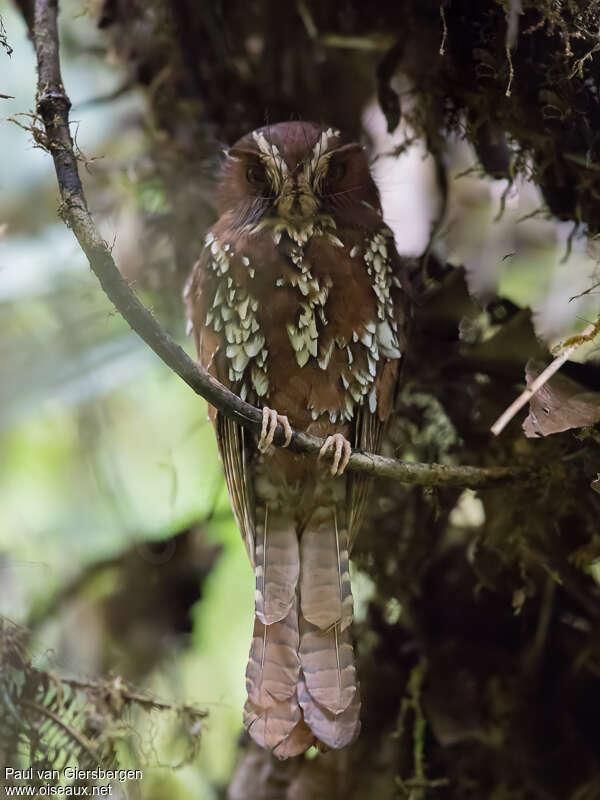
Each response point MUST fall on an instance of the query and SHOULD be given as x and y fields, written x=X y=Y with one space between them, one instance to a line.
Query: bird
x=299 y=303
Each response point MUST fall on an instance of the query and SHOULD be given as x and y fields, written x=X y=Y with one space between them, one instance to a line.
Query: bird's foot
x=270 y=418
x=342 y=450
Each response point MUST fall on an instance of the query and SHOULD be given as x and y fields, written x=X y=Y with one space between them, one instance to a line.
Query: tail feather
x=273 y=664
x=334 y=730
x=301 y=677
x=344 y=576
x=328 y=688
x=325 y=593
x=327 y=660
x=271 y=713
x=271 y=727
x=277 y=568
x=298 y=742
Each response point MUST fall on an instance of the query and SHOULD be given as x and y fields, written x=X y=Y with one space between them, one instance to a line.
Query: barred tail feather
x=328 y=688
x=327 y=661
x=299 y=741
x=281 y=728
x=273 y=664
x=325 y=592
x=334 y=730
x=272 y=714
x=272 y=727
x=301 y=676
x=277 y=568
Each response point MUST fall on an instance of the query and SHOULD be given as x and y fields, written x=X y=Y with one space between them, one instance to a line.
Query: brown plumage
x=297 y=304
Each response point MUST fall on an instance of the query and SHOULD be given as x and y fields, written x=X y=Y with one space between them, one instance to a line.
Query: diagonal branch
x=53 y=107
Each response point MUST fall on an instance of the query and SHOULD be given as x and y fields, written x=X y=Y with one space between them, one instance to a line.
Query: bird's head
x=295 y=171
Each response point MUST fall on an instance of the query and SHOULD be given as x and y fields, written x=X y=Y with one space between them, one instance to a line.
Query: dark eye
x=336 y=171
x=255 y=175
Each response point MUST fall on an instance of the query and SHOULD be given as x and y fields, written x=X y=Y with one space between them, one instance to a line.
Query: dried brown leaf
x=560 y=405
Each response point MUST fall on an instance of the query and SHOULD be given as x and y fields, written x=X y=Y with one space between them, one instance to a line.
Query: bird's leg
x=270 y=418
x=342 y=450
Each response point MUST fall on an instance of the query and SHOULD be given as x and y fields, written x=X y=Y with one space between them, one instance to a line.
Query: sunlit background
x=103 y=450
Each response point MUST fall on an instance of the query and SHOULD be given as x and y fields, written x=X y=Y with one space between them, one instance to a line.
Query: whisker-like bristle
x=345 y=191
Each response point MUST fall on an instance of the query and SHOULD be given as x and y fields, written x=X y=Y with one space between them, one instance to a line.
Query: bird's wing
x=234 y=455
x=368 y=436
x=231 y=437
x=370 y=425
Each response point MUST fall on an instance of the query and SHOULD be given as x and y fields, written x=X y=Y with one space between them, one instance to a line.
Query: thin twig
x=53 y=107
x=444 y=30
x=569 y=347
x=119 y=688
x=585 y=291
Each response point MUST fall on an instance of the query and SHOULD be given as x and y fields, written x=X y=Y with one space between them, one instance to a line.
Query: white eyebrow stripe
x=271 y=157
x=321 y=146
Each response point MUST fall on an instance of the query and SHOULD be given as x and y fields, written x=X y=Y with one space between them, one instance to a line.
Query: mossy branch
x=53 y=106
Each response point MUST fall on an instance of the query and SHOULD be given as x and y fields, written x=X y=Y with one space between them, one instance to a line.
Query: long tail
x=301 y=678
x=328 y=690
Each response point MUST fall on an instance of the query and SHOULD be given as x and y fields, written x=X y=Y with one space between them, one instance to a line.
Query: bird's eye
x=336 y=171
x=255 y=175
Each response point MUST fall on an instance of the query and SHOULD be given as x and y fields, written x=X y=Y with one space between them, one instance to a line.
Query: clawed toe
x=342 y=450
x=270 y=418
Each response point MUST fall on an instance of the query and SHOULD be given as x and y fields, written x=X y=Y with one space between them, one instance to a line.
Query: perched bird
x=297 y=304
